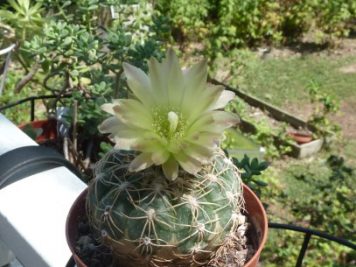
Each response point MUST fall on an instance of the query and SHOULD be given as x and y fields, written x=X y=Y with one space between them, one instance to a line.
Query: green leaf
x=254 y=164
x=263 y=165
x=260 y=183
x=67 y=40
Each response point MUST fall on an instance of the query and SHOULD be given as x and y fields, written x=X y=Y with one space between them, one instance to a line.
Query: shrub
x=236 y=23
x=188 y=18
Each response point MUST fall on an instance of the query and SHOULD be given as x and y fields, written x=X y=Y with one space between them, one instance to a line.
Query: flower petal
x=209 y=139
x=129 y=131
x=160 y=156
x=224 y=98
x=139 y=84
x=167 y=80
x=170 y=169
x=195 y=84
x=132 y=112
x=158 y=78
x=208 y=129
x=188 y=163
x=125 y=143
x=225 y=119
x=175 y=84
x=141 y=162
x=196 y=76
x=110 y=125
x=215 y=120
x=206 y=99
x=108 y=107
x=202 y=153
x=202 y=121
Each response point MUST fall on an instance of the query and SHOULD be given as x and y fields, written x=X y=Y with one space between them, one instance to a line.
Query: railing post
x=303 y=249
x=32 y=109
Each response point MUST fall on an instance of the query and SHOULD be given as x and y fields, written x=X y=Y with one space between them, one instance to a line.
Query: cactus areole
x=166 y=195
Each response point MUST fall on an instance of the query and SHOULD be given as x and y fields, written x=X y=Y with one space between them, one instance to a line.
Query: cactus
x=147 y=219
x=166 y=195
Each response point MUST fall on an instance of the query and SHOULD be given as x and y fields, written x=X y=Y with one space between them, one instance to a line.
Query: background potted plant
x=167 y=195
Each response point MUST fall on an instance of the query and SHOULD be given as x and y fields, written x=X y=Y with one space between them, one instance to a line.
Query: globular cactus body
x=148 y=220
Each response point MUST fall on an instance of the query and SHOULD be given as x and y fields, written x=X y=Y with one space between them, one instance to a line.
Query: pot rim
x=262 y=243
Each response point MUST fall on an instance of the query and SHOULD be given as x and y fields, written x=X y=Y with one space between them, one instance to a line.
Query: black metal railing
x=32 y=100
x=308 y=233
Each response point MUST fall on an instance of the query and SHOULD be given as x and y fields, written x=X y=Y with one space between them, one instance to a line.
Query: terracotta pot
x=254 y=207
x=258 y=217
x=48 y=127
x=301 y=138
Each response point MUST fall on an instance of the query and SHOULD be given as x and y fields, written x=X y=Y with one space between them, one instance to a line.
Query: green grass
x=349 y=150
x=280 y=79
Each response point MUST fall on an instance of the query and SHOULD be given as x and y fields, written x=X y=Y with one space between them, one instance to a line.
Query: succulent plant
x=166 y=195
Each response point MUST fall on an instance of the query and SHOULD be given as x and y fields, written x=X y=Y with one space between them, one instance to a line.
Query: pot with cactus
x=166 y=195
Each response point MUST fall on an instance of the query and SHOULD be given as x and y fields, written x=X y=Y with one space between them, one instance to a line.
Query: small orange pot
x=301 y=138
x=253 y=205
x=48 y=127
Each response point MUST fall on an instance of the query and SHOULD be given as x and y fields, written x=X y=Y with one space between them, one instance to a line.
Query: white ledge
x=33 y=210
x=12 y=137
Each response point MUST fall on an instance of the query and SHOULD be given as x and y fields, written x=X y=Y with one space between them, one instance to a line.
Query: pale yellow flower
x=174 y=118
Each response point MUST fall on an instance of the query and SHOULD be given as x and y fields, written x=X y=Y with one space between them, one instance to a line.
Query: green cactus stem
x=149 y=220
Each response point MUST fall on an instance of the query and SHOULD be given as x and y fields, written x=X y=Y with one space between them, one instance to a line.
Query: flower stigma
x=169 y=125
x=173 y=121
